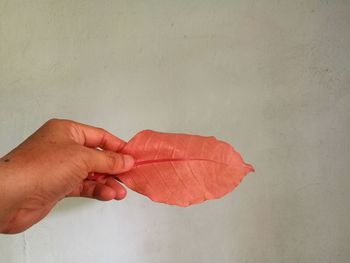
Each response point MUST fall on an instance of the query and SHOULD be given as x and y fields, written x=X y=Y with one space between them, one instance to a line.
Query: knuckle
x=54 y=122
x=67 y=123
x=101 y=130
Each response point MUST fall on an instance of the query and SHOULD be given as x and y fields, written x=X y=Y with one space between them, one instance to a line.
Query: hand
x=54 y=163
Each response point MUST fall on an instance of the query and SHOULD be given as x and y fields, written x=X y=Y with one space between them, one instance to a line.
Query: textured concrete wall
x=271 y=77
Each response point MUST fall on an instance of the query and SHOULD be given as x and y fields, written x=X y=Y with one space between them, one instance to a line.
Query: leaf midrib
x=175 y=160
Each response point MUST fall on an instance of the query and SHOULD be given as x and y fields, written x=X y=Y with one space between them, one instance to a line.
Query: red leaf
x=182 y=169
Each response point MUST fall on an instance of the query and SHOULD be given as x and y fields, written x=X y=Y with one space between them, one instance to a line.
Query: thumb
x=109 y=162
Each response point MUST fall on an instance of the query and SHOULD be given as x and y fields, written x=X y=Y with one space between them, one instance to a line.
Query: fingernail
x=129 y=161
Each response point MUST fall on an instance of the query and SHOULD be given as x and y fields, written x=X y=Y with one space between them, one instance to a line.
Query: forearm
x=13 y=191
x=7 y=198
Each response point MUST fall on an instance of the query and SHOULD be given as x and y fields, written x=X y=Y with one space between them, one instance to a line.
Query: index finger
x=97 y=137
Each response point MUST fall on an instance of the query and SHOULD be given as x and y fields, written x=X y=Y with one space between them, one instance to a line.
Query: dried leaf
x=182 y=169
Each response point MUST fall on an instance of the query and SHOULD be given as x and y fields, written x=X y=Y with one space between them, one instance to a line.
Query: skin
x=54 y=163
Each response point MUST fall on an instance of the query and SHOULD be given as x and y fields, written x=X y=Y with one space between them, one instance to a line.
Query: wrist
x=8 y=202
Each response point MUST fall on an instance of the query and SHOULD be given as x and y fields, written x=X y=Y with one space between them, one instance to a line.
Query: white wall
x=271 y=77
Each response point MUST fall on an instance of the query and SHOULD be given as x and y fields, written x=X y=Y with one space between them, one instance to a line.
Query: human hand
x=54 y=163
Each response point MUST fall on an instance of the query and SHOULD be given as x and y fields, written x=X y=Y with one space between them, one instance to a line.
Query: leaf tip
x=249 y=168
